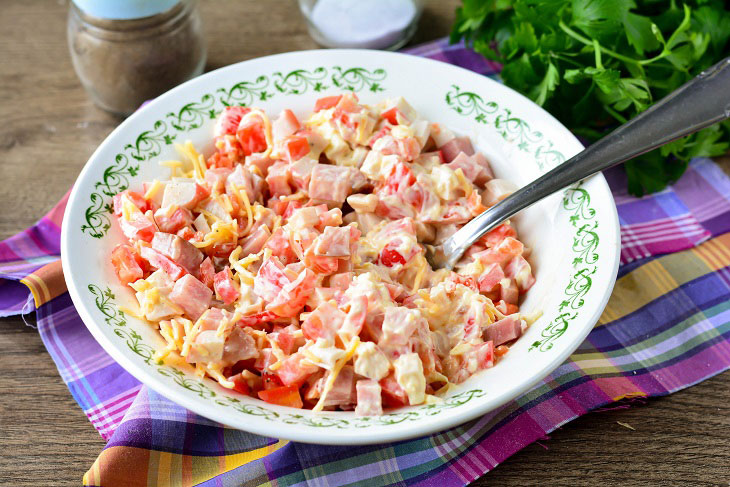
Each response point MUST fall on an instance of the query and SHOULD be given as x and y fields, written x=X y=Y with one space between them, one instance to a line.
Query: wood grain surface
x=49 y=128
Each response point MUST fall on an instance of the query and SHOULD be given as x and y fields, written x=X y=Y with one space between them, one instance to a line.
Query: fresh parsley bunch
x=595 y=64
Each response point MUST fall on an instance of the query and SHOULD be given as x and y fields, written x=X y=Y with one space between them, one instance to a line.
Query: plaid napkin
x=666 y=327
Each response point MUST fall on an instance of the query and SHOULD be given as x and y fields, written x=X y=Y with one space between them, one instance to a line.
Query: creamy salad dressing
x=289 y=263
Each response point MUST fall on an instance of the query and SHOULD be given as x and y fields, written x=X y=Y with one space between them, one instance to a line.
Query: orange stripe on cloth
x=130 y=466
x=120 y=466
x=46 y=283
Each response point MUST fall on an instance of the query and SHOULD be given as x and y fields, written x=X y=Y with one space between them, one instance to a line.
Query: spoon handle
x=700 y=102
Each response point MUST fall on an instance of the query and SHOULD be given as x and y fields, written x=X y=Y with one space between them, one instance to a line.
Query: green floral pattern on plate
x=150 y=143
x=576 y=200
x=104 y=300
x=191 y=116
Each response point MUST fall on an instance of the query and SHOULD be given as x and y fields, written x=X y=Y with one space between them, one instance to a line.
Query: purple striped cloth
x=655 y=343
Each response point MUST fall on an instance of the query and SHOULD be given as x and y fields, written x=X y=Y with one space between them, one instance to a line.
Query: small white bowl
x=574 y=235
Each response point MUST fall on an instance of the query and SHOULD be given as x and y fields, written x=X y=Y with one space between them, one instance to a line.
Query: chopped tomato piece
x=297 y=147
x=496 y=235
x=271 y=381
x=136 y=199
x=228 y=121
x=393 y=394
x=127 y=264
x=225 y=287
x=283 y=396
x=257 y=320
x=252 y=137
x=485 y=355
x=506 y=308
x=240 y=384
x=501 y=350
x=390 y=257
x=400 y=178
x=326 y=102
x=391 y=115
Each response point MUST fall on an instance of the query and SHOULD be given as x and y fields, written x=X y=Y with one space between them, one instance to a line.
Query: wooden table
x=48 y=129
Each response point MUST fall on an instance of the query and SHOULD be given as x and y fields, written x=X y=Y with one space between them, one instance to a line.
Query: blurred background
x=47 y=114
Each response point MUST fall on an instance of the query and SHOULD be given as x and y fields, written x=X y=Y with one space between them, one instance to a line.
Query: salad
x=289 y=264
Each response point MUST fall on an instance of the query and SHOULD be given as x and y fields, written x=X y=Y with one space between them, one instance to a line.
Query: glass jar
x=370 y=24
x=127 y=52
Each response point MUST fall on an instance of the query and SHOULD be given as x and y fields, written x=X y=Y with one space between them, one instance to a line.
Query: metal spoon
x=700 y=102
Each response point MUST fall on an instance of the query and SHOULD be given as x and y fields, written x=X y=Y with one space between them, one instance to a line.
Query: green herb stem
x=594 y=43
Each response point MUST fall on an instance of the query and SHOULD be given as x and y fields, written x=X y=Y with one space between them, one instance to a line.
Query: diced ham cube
x=321 y=264
x=179 y=250
x=509 y=293
x=294 y=371
x=138 y=227
x=469 y=166
x=207 y=272
x=212 y=319
x=369 y=402
x=504 y=330
x=301 y=172
x=270 y=279
x=285 y=125
x=399 y=325
x=355 y=319
x=334 y=183
x=239 y=346
x=441 y=135
x=453 y=147
x=334 y=242
x=225 y=287
x=161 y=261
x=216 y=178
x=278 y=179
x=183 y=194
x=343 y=389
x=245 y=179
x=179 y=219
x=293 y=296
x=496 y=190
x=207 y=347
x=341 y=281
x=505 y=251
x=281 y=246
x=192 y=296
x=490 y=278
x=323 y=322
x=520 y=271
x=261 y=161
x=255 y=241
x=407 y=148
x=487 y=173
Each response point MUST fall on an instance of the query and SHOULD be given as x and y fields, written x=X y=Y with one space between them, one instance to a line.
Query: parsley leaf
x=596 y=63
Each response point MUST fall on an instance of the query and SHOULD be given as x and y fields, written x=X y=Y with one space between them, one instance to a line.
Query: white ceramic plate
x=574 y=235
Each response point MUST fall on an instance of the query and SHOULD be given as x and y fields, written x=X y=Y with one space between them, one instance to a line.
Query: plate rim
x=333 y=437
